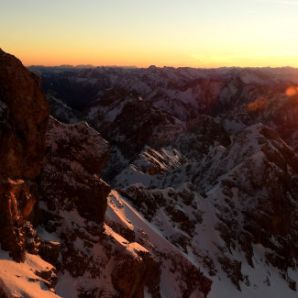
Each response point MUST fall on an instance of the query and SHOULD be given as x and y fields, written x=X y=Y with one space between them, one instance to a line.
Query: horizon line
x=89 y=66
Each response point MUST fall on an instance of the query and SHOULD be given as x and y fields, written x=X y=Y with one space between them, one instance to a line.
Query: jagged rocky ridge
x=64 y=231
x=208 y=157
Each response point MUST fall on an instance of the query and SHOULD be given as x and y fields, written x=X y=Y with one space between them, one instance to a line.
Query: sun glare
x=292 y=91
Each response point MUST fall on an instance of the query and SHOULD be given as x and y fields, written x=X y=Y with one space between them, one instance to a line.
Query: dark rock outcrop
x=131 y=274
x=136 y=122
x=75 y=156
x=49 y=251
x=24 y=116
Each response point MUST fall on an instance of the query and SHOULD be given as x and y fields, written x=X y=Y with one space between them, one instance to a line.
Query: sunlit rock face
x=23 y=122
x=11 y=223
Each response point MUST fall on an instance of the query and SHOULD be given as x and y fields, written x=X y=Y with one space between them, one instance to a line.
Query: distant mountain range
x=207 y=156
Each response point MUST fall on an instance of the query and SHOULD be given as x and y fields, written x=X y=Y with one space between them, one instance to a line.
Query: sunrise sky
x=143 y=32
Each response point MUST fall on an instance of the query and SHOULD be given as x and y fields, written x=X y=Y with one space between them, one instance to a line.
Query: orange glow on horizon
x=143 y=60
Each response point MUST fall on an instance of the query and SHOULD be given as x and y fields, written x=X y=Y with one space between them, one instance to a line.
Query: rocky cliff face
x=23 y=122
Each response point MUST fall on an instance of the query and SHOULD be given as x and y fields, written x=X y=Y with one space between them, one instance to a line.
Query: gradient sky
x=195 y=33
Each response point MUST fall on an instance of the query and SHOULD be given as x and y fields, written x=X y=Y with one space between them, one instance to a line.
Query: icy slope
x=179 y=276
x=29 y=279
